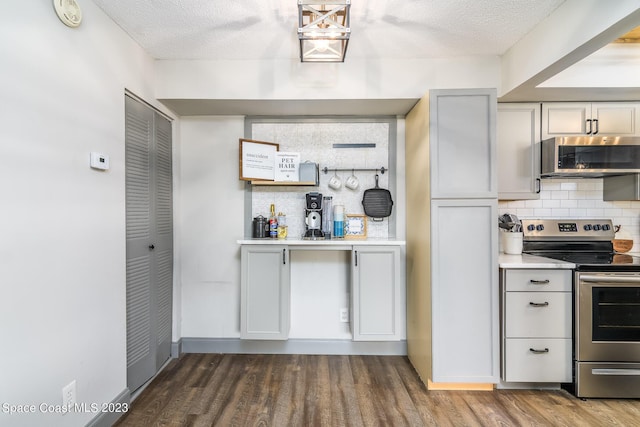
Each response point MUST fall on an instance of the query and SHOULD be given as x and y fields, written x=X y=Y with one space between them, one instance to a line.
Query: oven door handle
x=609 y=279
x=613 y=371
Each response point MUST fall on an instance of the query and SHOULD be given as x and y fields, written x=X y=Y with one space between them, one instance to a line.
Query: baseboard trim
x=460 y=386
x=107 y=419
x=293 y=346
x=176 y=349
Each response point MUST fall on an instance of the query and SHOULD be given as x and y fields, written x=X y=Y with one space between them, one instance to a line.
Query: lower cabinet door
x=375 y=293
x=464 y=291
x=264 y=292
x=538 y=360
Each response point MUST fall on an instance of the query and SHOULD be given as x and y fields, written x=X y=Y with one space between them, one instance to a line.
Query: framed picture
x=257 y=160
x=355 y=227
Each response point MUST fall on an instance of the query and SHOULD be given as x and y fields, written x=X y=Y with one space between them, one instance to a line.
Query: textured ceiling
x=266 y=29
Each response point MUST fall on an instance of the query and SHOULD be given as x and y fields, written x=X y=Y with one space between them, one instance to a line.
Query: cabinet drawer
x=538 y=315
x=550 y=362
x=544 y=280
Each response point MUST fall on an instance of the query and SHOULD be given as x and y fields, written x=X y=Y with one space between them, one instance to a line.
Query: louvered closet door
x=149 y=241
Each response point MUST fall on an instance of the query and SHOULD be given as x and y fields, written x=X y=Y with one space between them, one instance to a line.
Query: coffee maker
x=313 y=216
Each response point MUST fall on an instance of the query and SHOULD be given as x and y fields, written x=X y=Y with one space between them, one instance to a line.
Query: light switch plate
x=99 y=161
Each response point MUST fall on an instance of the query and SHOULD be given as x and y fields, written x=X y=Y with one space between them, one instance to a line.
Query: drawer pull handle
x=533 y=350
x=539 y=282
x=538 y=304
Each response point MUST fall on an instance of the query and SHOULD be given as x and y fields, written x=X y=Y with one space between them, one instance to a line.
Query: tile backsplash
x=577 y=198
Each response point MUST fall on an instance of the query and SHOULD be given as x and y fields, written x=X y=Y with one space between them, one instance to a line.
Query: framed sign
x=355 y=227
x=287 y=167
x=257 y=160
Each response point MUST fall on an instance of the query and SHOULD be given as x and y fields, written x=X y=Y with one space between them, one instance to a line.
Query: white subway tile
x=542 y=213
x=534 y=203
x=569 y=186
x=595 y=213
x=549 y=184
x=524 y=213
x=569 y=203
x=577 y=213
x=552 y=203
x=560 y=212
x=559 y=194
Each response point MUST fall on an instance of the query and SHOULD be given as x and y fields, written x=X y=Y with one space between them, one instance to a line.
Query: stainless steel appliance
x=606 y=305
x=313 y=216
x=590 y=156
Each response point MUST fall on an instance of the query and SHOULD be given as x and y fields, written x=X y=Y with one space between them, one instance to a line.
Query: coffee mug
x=352 y=182
x=335 y=182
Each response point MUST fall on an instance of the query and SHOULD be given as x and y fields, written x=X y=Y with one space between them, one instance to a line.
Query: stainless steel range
x=606 y=307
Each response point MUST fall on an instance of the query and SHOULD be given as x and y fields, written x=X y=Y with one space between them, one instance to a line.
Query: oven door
x=608 y=317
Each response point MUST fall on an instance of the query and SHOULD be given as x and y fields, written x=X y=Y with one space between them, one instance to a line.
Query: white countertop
x=322 y=242
x=531 y=261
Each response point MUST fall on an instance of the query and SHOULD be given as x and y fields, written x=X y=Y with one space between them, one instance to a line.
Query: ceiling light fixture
x=323 y=30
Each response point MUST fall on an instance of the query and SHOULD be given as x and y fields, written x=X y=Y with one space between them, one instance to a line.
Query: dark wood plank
x=305 y=390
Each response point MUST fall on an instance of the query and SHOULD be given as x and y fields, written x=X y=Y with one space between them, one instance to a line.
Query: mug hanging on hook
x=335 y=182
x=352 y=182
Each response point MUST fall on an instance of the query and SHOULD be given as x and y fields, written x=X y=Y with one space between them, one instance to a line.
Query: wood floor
x=304 y=390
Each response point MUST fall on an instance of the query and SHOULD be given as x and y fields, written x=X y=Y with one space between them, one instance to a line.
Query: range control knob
x=596 y=227
x=606 y=227
x=539 y=227
x=531 y=227
x=587 y=227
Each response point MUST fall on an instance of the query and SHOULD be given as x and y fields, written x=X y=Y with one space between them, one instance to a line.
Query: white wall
x=210 y=200
x=62 y=224
x=355 y=79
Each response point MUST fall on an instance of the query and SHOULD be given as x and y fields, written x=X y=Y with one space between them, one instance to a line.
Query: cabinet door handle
x=356 y=257
x=536 y=351
x=595 y=122
x=284 y=256
x=588 y=127
x=539 y=282
x=152 y=246
x=538 y=304
x=539 y=185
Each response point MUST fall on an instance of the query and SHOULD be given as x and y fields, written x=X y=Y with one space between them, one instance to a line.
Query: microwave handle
x=589 y=128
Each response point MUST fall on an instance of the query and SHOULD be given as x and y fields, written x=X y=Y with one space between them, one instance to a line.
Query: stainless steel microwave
x=590 y=156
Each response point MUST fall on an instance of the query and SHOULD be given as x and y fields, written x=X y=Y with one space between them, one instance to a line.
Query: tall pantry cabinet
x=452 y=232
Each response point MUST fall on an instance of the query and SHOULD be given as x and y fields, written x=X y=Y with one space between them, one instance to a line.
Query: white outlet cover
x=99 y=161
x=69 y=394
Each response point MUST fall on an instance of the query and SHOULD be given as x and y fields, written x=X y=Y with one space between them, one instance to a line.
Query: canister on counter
x=338 y=221
x=282 y=226
x=327 y=216
x=260 y=227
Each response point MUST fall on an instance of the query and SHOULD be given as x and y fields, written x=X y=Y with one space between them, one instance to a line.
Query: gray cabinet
x=536 y=326
x=518 y=138
x=598 y=118
x=452 y=267
x=265 y=292
x=375 y=293
x=464 y=291
x=463 y=145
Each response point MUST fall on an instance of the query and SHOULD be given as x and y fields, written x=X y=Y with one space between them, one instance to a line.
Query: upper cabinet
x=463 y=144
x=518 y=138
x=598 y=118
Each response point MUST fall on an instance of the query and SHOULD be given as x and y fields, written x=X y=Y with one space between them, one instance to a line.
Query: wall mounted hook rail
x=382 y=170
